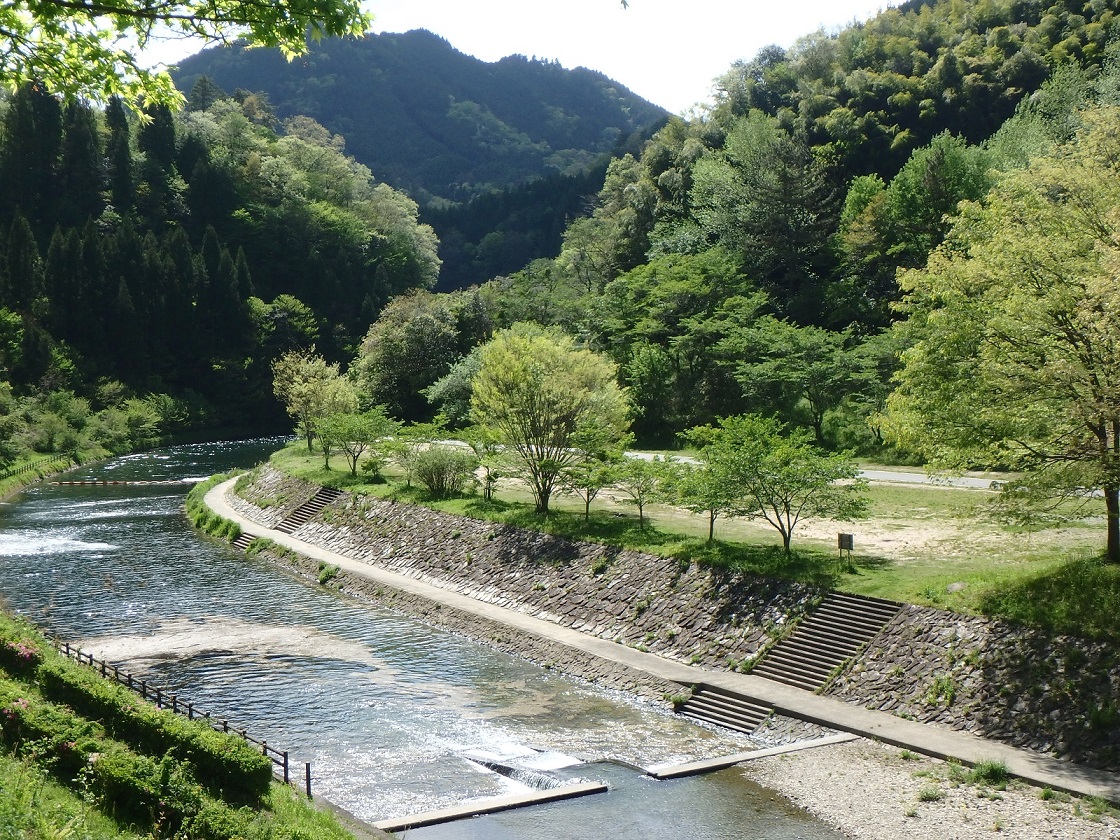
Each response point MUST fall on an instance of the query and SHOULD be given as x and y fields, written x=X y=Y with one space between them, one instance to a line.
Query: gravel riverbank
x=871 y=791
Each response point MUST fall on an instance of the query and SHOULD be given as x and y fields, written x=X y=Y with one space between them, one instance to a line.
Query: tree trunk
x=711 y=525
x=1112 y=506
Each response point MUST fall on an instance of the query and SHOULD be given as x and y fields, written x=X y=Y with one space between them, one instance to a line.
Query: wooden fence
x=163 y=700
x=34 y=465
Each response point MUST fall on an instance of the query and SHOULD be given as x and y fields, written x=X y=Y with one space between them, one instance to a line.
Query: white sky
x=667 y=51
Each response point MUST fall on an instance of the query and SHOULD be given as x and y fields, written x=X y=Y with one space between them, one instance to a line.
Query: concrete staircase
x=831 y=635
x=243 y=540
x=714 y=705
x=309 y=509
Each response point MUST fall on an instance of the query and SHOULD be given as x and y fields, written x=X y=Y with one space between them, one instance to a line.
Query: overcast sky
x=667 y=51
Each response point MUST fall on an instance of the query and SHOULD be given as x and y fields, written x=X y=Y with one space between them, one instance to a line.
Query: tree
x=705 y=488
x=407 y=446
x=780 y=476
x=1014 y=325
x=488 y=451
x=85 y=49
x=599 y=454
x=536 y=389
x=644 y=481
x=311 y=389
x=354 y=433
x=804 y=370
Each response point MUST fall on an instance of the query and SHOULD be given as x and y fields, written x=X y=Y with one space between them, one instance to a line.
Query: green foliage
x=75 y=51
x=537 y=390
x=203 y=518
x=1080 y=597
x=990 y=771
x=446 y=470
x=355 y=433
x=311 y=389
x=227 y=765
x=413 y=344
x=778 y=476
x=1007 y=322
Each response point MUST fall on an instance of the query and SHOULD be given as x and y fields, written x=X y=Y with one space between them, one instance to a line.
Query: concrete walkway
x=836 y=714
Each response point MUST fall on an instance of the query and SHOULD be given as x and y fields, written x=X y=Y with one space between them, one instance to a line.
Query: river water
x=393 y=715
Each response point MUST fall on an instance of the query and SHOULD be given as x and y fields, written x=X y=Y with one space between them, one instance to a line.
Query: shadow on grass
x=1080 y=598
x=817 y=568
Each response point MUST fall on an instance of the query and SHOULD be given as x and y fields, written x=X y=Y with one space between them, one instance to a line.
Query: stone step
x=838 y=629
x=309 y=509
x=724 y=708
x=243 y=540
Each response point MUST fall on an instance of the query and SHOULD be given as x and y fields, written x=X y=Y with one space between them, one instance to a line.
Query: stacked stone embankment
x=1053 y=694
x=1058 y=696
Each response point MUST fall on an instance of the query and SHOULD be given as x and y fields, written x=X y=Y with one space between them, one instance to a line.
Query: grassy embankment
x=81 y=756
x=922 y=544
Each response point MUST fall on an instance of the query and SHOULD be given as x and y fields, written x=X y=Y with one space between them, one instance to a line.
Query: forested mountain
x=748 y=261
x=433 y=121
x=172 y=259
x=518 y=146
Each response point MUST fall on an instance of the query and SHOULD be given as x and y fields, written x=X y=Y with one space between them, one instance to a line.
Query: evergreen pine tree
x=81 y=170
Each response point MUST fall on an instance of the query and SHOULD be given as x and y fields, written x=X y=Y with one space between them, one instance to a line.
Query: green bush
x=232 y=768
x=135 y=788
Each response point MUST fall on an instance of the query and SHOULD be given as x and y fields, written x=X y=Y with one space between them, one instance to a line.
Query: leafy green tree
x=780 y=476
x=599 y=454
x=451 y=393
x=536 y=390
x=799 y=370
x=644 y=481
x=311 y=389
x=407 y=447
x=410 y=346
x=355 y=433
x=489 y=453
x=706 y=488
x=83 y=49
x=1013 y=324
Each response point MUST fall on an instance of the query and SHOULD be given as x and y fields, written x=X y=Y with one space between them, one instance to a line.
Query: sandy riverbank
x=871 y=791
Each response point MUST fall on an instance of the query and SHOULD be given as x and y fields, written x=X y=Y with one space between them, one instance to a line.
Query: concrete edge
x=490 y=806
x=694 y=768
x=357 y=827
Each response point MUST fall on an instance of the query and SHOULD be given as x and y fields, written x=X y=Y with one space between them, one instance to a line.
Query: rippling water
x=387 y=709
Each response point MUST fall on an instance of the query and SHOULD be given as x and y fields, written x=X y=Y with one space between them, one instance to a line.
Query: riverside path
x=1032 y=767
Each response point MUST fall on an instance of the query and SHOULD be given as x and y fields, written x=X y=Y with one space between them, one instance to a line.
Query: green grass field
x=933 y=545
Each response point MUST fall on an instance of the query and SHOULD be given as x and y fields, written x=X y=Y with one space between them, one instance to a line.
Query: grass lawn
x=922 y=544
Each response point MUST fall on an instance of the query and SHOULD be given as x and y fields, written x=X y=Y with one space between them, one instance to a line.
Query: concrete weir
x=491 y=806
x=709 y=765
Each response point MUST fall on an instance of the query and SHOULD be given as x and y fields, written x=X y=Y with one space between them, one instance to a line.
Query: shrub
x=444 y=470
x=231 y=768
x=989 y=772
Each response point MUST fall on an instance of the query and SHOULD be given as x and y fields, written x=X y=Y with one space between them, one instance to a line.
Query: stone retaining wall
x=1054 y=695
x=1059 y=696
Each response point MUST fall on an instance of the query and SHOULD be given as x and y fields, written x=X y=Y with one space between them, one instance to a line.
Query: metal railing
x=164 y=700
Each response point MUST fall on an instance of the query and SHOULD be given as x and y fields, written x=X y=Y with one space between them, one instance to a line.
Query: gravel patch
x=871 y=791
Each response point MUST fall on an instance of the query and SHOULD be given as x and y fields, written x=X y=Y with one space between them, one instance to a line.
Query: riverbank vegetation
x=927 y=545
x=82 y=756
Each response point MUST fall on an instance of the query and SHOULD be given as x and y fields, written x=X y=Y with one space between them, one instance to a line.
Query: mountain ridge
x=433 y=121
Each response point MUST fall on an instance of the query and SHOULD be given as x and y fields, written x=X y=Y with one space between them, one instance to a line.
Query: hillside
x=429 y=119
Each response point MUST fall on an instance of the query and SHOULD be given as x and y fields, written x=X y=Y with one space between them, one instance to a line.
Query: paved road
x=837 y=714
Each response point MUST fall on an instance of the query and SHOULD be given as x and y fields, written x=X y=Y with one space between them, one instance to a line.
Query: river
x=390 y=712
